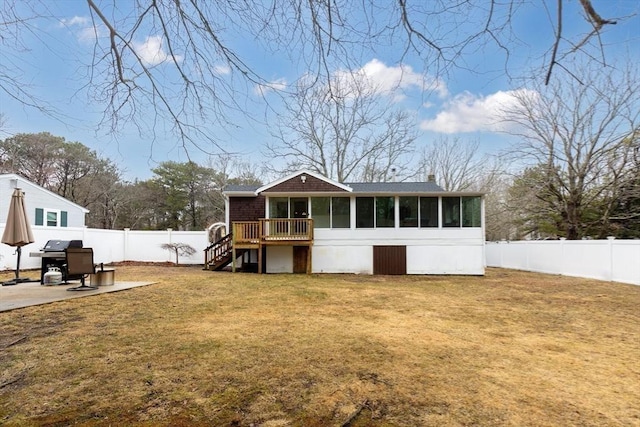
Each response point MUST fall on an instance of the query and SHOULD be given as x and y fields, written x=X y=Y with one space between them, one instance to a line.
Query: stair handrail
x=218 y=249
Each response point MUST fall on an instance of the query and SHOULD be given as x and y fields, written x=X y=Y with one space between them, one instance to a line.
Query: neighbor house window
x=471 y=212
x=385 y=213
x=364 y=212
x=451 y=211
x=340 y=212
x=428 y=211
x=321 y=212
x=408 y=211
x=51 y=217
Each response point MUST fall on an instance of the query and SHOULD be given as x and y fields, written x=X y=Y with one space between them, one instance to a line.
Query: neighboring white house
x=44 y=208
x=307 y=222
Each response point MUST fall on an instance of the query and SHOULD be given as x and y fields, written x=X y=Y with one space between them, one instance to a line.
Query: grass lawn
x=204 y=348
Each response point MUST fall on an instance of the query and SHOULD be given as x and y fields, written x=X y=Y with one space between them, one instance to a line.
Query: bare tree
x=580 y=138
x=179 y=249
x=345 y=130
x=456 y=164
x=172 y=58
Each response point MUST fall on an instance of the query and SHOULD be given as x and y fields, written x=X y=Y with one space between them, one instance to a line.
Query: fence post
x=610 y=240
x=563 y=261
x=125 y=242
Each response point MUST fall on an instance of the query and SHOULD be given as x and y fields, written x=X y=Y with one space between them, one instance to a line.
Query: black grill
x=57 y=257
x=61 y=245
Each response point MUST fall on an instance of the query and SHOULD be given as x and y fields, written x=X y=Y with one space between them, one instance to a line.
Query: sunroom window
x=385 y=212
x=321 y=212
x=471 y=212
x=278 y=207
x=408 y=211
x=451 y=211
x=365 y=208
x=428 y=211
x=340 y=212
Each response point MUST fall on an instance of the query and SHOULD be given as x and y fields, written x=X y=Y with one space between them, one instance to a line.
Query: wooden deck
x=278 y=231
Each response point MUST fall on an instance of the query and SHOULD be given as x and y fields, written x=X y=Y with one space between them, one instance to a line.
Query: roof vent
x=431 y=178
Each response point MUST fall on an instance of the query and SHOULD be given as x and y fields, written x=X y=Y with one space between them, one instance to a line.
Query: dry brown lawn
x=203 y=348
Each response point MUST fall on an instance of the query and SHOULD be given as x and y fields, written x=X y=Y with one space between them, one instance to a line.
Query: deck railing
x=273 y=230
x=247 y=231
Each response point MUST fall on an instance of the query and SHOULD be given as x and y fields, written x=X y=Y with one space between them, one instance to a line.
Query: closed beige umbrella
x=17 y=231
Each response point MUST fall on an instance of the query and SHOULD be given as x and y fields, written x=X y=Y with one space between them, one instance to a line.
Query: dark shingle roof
x=394 y=187
x=241 y=188
x=364 y=187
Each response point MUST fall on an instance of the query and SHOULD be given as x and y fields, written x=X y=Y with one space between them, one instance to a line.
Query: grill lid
x=61 y=245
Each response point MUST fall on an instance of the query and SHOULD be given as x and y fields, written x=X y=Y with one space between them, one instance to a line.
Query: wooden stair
x=219 y=254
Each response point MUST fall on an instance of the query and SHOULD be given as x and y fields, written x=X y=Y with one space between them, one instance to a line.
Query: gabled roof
x=358 y=187
x=34 y=185
x=352 y=187
x=301 y=173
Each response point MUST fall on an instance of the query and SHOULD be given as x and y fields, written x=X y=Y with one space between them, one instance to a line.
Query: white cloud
x=81 y=21
x=89 y=33
x=470 y=113
x=151 y=52
x=392 y=81
x=222 y=70
x=86 y=32
x=275 y=85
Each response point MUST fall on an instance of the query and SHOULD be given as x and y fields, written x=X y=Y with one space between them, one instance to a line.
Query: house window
x=364 y=212
x=408 y=211
x=385 y=213
x=278 y=207
x=331 y=212
x=298 y=207
x=51 y=217
x=451 y=211
x=471 y=212
x=340 y=212
x=321 y=212
x=428 y=211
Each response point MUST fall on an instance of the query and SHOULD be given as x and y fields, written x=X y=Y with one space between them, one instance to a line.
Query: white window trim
x=45 y=216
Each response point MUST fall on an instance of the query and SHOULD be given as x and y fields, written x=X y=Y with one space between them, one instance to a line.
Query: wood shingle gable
x=304 y=182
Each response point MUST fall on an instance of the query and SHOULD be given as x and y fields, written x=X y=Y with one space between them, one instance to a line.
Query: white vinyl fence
x=109 y=245
x=611 y=259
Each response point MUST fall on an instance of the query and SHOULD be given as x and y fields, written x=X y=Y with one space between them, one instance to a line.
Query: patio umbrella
x=17 y=231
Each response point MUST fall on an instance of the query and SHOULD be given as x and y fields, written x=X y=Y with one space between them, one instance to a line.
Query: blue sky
x=464 y=103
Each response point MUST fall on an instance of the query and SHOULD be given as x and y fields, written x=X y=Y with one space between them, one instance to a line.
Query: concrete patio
x=33 y=293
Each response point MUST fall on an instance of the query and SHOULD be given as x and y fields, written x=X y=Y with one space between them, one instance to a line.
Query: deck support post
x=233 y=259
x=260 y=259
x=309 y=259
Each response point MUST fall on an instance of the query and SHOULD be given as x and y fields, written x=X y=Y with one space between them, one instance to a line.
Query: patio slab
x=33 y=293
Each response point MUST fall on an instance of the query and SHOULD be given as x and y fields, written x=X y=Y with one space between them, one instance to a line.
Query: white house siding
x=445 y=259
x=342 y=259
x=429 y=250
x=279 y=259
x=38 y=197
